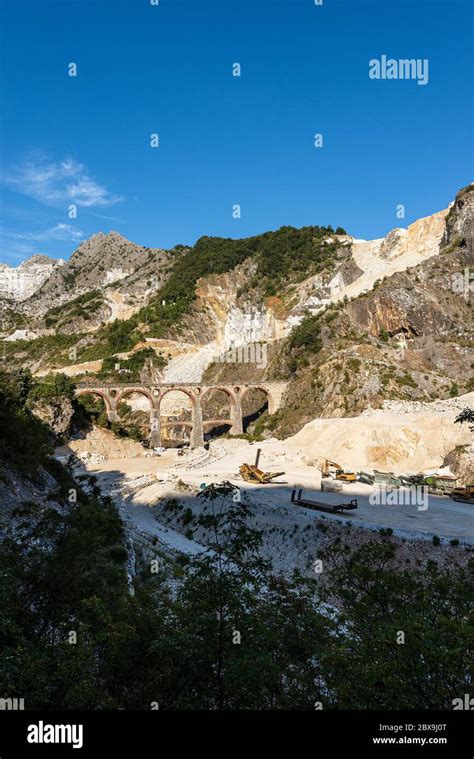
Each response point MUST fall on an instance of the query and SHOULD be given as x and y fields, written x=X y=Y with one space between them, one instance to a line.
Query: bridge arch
x=138 y=391
x=219 y=411
x=109 y=406
x=263 y=389
x=112 y=395
x=177 y=389
x=256 y=400
x=230 y=394
x=176 y=410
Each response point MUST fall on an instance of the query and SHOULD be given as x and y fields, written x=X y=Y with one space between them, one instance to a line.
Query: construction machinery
x=464 y=494
x=440 y=484
x=387 y=479
x=331 y=469
x=331 y=508
x=251 y=472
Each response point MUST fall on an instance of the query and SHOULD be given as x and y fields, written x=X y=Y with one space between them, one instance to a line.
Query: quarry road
x=437 y=516
x=411 y=518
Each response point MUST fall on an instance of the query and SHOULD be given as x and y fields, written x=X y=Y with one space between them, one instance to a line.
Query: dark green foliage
x=53 y=347
x=117 y=337
x=131 y=366
x=89 y=409
x=25 y=442
x=306 y=335
x=406 y=380
x=454 y=390
x=304 y=342
x=53 y=387
x=432 y=607
x=466 y=416
x=265 y=422
x=63 y=575
x=235 y=636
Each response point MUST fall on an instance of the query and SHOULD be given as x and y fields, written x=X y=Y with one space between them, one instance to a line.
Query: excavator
x=331 y=469
x=464 y=494
x=251 y=472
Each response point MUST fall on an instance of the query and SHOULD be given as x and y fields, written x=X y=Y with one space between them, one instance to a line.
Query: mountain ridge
x=328 y=307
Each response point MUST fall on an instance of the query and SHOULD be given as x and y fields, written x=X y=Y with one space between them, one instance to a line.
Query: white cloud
x=58 y=232
x=59 y=183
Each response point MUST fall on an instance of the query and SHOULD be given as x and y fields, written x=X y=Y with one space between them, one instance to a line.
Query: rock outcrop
x=57 y=415
x=21 y=282
x=109 y=263
x=459 y=228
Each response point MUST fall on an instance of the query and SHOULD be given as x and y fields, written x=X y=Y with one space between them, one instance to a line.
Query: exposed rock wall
x=21 y=282
x=57 y=415
x=460 y=221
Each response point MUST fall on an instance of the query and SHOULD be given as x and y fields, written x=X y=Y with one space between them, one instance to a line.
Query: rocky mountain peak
x=39 y=259
x=460 y=220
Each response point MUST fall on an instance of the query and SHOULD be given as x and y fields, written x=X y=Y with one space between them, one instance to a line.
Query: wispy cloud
x=56 y=183
x=116 y=219
x=58 y=232
x=16 y=246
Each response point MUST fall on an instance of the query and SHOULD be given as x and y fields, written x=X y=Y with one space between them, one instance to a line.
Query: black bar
x=446 y=734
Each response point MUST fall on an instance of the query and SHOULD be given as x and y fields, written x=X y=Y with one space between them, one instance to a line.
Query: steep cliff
x=410 y=337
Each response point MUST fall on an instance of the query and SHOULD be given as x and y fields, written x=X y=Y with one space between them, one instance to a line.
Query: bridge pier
x=111 y=411
x=154 y=441
x=236 y=418
x=197 y=435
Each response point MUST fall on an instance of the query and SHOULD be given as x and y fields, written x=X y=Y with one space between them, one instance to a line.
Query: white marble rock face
x=22 y=281
x=244 y=327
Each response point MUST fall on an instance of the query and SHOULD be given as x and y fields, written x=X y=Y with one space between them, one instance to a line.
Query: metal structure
x=331 y=508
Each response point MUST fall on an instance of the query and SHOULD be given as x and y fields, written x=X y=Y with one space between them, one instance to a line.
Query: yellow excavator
x=251 y=472
x=331 y=469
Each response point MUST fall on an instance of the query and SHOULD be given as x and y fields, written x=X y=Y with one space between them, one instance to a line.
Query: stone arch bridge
x=114 y=394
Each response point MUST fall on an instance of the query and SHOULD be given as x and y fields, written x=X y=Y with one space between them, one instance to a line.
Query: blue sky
x=226 y=140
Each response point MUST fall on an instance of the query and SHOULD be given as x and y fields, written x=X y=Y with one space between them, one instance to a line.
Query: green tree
x=466 y=416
